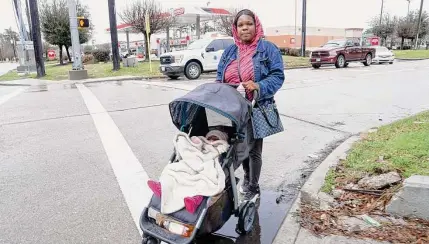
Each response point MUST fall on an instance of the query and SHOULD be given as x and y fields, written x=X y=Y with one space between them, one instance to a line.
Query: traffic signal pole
x=77 y=54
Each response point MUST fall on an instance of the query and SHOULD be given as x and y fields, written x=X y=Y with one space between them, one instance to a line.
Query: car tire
x=193 y=71
x=368 y=60
x=341 y=61
x=173 y=77
x=316 y=66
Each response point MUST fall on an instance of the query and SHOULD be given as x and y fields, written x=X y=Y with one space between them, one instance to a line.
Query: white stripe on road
x=131 y=176
x=13 y=94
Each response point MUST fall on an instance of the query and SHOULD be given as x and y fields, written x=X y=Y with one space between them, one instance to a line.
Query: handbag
x=265 y=117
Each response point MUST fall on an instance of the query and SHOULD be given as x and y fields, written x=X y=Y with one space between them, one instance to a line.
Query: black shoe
x=252 y=194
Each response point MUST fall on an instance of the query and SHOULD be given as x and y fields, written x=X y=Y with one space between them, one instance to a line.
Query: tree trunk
x=61 y=54
x=402 y=43
x=147 y=47
x=68 y=54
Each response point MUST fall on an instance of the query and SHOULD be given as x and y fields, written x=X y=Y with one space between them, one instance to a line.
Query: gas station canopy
x=184 y=16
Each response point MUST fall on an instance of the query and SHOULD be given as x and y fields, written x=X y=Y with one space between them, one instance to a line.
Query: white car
x=201 y=56
x=383 y=55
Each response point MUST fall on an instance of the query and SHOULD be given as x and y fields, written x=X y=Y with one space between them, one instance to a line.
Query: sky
x=320 y=13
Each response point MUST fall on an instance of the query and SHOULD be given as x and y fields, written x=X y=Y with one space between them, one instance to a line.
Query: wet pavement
x=57 y=184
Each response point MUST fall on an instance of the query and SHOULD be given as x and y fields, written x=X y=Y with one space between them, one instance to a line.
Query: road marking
x=5 y=98
x=131 y=176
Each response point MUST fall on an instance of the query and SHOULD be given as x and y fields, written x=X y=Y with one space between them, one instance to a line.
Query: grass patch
x=411 y=53
x=402 y=146
x=99 y=70
x=291 y=61
x=329 y=181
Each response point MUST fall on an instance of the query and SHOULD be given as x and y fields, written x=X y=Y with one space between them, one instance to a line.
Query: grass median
x=402 y=146
x=411 y=54
x=98 y=70
x=292 y=62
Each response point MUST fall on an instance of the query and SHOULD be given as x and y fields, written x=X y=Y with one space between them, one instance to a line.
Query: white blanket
x=198 y=172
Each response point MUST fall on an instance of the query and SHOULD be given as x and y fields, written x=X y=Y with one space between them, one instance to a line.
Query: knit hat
x=218 y=134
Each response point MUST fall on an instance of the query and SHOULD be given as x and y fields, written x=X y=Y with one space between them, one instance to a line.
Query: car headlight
x=178 y=58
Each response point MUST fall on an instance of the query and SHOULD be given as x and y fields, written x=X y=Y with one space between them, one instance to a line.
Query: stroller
x=189 y=115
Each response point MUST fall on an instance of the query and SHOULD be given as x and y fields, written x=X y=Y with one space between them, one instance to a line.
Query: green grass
x=411 y=53
x=291 y=61
x=402 y=146
x=99 y=70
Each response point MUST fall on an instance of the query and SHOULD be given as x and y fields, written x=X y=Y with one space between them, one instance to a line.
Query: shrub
x=294 y=52
x=101 y=55
x=87 y=58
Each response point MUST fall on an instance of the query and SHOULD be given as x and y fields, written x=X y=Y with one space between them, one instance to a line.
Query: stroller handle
x=255 y=95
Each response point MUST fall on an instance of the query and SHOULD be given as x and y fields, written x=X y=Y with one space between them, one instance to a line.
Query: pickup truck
x=340 y=53
x=201 y=56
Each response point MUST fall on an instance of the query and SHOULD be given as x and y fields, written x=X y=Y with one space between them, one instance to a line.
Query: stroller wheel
x=149 y=240
x=246 y=218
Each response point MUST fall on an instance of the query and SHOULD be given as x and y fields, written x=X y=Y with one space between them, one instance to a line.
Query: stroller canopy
x=220 y=98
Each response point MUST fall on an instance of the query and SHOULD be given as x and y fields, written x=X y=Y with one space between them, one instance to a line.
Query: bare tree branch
x=135 y=15
x=223 y=23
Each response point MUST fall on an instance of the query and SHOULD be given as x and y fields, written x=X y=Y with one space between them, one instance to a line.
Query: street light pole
x=296 y=11
x=37 y=39
x=381 y=13
x=418 y=24
x=408 y=12
x=304 y=26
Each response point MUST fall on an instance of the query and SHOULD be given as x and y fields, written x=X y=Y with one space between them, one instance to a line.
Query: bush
x=88 y=58
x=101 y=55
x=294 y=52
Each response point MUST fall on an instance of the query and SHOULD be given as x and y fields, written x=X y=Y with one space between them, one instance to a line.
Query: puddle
x=268 y=220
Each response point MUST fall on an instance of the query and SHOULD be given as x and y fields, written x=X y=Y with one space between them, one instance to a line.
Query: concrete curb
x=310 y=190
x=290 y=229
x=298 y=67
x=410 y=59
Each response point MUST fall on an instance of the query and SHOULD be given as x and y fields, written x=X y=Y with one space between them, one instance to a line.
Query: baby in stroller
x=213 y=137
x=207 y=156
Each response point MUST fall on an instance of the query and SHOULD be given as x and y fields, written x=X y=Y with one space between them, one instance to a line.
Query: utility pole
x=114 y=34
x=418 y=25
x=77 y=59
x=381 y=13
x=304 y=27
x=296 y=11
x=28 y=19
x=408 y=12
x=37 y=39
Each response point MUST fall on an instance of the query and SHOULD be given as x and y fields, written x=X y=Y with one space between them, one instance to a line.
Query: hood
x=176 y=53
x=259 y=33
x=327 y=49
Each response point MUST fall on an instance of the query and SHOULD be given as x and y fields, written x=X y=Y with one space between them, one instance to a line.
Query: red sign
x=52 y=54
x=179 y=11
x=374 y=41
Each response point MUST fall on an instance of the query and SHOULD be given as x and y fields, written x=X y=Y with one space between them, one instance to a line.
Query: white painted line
x=5 y=98
x=131 y=176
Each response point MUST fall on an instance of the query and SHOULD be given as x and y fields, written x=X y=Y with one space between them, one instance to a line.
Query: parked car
x=340 y=53
x=383 y=55
x=201 y=56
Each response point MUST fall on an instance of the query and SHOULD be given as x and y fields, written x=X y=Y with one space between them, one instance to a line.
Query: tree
x=224 y=22
x=407 y=27
x=11 y=36
x=135 y=15
x=55 y=24
x=385 y=29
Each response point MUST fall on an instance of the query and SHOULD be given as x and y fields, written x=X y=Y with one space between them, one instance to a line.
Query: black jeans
x=253 y=164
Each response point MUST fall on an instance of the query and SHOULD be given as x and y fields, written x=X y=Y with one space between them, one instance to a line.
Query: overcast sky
x=320 y=13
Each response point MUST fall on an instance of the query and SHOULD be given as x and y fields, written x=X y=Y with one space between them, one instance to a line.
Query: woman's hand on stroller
x=251 y=85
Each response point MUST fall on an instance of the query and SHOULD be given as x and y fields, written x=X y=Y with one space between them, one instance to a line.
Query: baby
x=192 y=203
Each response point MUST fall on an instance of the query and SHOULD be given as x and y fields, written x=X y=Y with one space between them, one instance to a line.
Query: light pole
x=408 y=12
x=418 y=25
x=381 y=12
x=296 y=11
x=304 y=26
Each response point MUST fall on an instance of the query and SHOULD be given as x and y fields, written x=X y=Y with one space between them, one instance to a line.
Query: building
x=284 y=36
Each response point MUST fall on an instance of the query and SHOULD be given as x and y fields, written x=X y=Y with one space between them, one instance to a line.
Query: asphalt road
x=74 y=158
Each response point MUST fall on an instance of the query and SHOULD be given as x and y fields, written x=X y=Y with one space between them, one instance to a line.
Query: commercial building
x=284 y=36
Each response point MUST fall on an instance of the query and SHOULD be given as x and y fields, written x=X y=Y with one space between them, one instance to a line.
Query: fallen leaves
x=354 y=205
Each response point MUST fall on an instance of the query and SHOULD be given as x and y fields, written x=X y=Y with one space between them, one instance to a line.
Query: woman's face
x=246 y=28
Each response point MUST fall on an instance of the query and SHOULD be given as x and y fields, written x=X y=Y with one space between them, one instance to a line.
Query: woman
x=258 y=65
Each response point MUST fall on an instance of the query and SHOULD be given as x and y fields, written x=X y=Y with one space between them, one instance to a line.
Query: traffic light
x=82 y=22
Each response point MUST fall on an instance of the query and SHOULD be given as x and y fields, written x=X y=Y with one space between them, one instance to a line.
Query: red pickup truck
x=340 y=53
